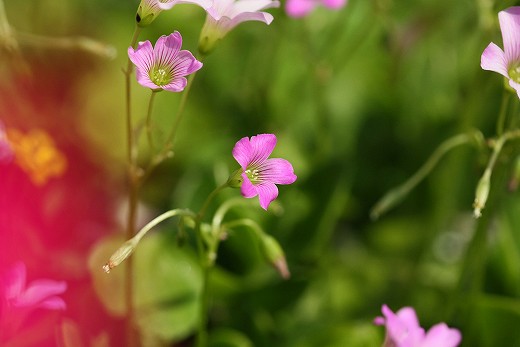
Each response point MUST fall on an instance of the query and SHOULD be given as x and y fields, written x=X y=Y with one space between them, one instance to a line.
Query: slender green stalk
x=149 y=120
x=207 y=256
x=395 y=195
x=134 y=181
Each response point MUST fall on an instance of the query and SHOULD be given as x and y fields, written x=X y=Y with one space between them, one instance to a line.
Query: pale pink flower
x=403 y=330
x=224 y=15
x=165 y=65
x=301 y=8
x=148 y=10
x=260 y=174
x=506 y=62
x=40 y=293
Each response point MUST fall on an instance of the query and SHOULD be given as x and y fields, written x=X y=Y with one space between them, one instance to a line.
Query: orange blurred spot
x=37 y=155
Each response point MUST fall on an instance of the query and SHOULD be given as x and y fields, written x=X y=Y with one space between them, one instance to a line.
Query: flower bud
x=120 y=255
x=147 y=11
x=481 y=194
x=273 y=253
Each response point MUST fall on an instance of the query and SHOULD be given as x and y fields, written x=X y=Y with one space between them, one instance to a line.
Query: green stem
x=132 y=337
x=207 y=257
x=149 y=120
x=394 y=196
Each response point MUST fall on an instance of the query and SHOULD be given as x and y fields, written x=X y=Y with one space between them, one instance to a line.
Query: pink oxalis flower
x=224 y=15
x=148 y=10
x=165 y=65
x=40 y=293
x=260 y=174
x=506 y=62
x=301 y=8
x=403 y=330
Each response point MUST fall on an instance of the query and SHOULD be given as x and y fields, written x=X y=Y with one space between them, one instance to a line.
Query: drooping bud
x=481 y=194
x=273 y=253
x=120 y=255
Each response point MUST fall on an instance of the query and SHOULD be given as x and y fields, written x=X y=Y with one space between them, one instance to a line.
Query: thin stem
x=395 y=195
x=161 y=218
x=134 y=182
x=149 y=120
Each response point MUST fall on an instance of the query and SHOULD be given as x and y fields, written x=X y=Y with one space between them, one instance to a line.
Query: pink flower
x=506 y=62
x=38 y=294
x=301 y=8
x=148 y=10
x=403 y=330
x=260 y=174
x=224 y=15
x=164 y=66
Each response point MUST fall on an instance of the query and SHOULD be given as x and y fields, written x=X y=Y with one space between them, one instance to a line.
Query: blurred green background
x=359 y=99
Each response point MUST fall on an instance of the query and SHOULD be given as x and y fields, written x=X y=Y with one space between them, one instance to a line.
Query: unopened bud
x=147 y=11
x=481 y=194
x=120 y=255
x=274 y=254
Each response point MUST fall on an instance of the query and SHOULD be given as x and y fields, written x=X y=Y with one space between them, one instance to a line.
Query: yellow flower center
x=160 y=76
x=253 y=175
x=37 y=155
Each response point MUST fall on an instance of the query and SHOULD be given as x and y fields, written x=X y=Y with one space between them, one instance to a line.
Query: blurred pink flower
x=39 y=293
x=403 y=330
x=165 y=65
x=260 y=174
x=224 y=15
x=301 y=8
x=506 y=62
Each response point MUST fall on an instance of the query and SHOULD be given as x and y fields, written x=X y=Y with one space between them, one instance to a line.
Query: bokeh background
x=359 y=98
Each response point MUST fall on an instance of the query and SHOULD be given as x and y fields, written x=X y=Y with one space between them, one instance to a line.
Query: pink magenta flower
x=39 y=293
x=506 y=62
x=403 y=330
x=224 y=15
x=260 y=174
x=148 y=10
x=301 y=8
x=165 y=65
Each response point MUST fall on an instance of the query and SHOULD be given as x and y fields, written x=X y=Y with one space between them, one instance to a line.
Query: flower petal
x=247 y=188
x=243 y=152
x=265 y=17
x=267 y=192
x=493 y=59
x=277 y=170
x=177 y=85
x=142 y=56
x=244 y=6
x=53 y=303
x=166 y=49
x=143 y=78
x=38 y=291
x=185 y=64
x=262 y=146
x=510 y=27
x=441 y=335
